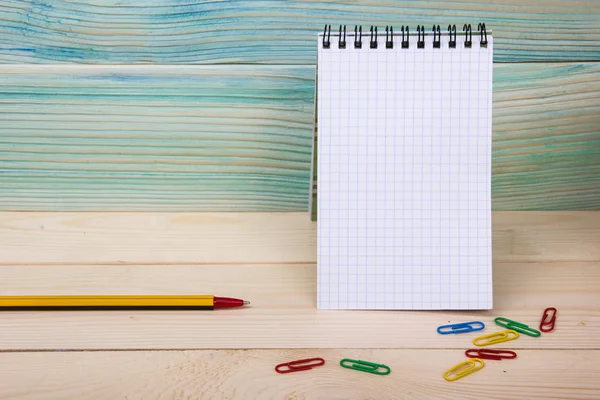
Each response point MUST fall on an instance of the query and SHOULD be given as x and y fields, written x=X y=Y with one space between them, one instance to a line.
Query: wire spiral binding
x=451 y=31
x=389 y=42
x=468 y=35
x=342 y=43
x=405 y=35
x=373 y=42
x=405 y=40
x=437 y=37
x=420 y=37
x=357 y=43
x=483 y=33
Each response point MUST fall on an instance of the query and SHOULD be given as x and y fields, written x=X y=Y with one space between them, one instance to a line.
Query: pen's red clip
x=548 y=325
x=299 y=365
x=490 y=354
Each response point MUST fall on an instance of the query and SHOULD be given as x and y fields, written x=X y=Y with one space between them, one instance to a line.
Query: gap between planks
x=261 y=349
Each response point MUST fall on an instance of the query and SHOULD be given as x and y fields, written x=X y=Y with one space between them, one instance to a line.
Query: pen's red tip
x=228 y=302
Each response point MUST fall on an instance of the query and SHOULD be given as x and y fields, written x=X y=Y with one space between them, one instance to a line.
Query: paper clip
x=365 y=366
x=461 y=328
x=545 y=325
x=490 y=354
x=496 y=337
x=517 y=326
x=463 y=369
x=299 y=365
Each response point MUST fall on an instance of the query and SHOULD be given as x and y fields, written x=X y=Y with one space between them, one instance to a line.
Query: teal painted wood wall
x=273 y=32
x=99 y=111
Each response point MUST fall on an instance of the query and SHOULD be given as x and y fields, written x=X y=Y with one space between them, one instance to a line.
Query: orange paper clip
x=490 y=354
x=299 y=365
x=548 y=320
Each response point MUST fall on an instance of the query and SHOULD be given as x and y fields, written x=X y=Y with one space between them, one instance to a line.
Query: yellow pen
x=109 y=302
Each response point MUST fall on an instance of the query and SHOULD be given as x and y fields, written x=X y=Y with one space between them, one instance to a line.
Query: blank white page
x=404 y=175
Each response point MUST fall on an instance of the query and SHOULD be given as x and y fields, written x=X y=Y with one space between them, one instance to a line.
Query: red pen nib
x=228 y=302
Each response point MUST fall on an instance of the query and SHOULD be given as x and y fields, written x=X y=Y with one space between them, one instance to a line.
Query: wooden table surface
x=541 y=259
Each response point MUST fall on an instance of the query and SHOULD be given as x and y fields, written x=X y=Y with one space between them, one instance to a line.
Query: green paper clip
x=517 y=326
x=365 y=366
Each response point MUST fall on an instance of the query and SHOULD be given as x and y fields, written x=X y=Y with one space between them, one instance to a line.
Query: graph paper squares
x=404 y=176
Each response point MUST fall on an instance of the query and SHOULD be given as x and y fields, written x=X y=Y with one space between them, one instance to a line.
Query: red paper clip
x=490 y=354
x=545 y=325
x=299 y=365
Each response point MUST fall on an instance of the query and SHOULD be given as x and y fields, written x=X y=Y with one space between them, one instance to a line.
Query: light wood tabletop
x=541 y=259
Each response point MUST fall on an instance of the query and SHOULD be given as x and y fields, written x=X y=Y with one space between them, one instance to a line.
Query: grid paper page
x=404 y=175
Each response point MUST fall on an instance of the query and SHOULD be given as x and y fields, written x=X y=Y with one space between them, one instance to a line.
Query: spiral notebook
x=404 y=168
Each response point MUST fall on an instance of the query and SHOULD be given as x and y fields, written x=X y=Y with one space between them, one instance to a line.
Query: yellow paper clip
x=496 y=337
x=463 y=369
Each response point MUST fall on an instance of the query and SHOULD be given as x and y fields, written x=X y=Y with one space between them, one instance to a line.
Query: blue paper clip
x=461 y=328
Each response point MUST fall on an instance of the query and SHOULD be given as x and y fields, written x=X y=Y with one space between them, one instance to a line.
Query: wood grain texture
x=180 y=138
x=559 y=265
x=283 y=312
x=156 y=238
x=274 y=32
x=228 y=138
x=416 y=374
x=72 y=238
x=541 y=259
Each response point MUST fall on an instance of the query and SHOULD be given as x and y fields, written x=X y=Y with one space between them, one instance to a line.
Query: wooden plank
x=249 y=374
x=283 y=312
x=156 y=238
x=173 y=139
x=533 y=161
x=238 y=138
x=260 y=238
x=251 y=31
